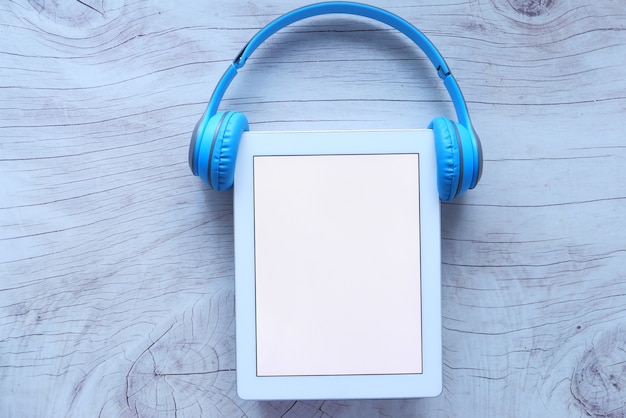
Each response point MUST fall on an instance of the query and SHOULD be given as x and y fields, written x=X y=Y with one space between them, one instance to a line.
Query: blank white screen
x=337 y=264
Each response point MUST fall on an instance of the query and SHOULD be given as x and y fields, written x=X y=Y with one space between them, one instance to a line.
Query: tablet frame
x=426 y=384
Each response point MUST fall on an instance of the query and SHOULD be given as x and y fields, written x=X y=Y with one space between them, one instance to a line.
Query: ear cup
x=196 y=139
x=215 y=150
x=456 y=154
x=478 y=160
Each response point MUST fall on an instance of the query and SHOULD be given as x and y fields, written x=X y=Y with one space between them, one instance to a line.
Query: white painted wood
x=116 y=265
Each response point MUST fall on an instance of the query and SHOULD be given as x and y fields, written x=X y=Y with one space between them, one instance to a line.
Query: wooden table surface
x=116 y=264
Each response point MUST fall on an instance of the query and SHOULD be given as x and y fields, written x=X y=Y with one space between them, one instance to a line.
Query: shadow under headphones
x=215 y=139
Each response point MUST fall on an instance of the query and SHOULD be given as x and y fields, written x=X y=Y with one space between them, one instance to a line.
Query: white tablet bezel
x=425 y=384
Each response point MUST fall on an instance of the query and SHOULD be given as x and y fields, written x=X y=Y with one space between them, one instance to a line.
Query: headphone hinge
x=238 y=59
x=443 y=73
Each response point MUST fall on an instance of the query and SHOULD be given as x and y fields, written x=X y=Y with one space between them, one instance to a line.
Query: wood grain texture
x=116 y=265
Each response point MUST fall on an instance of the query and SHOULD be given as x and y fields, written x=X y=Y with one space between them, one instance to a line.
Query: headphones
x=215 y=139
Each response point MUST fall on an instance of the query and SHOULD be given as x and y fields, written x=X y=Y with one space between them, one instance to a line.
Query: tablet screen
x=337 y=264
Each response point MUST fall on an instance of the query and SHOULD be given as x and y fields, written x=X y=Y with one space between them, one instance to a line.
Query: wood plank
x=116 y=265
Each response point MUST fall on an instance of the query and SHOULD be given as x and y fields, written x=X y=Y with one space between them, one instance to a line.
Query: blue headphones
x=215 y=139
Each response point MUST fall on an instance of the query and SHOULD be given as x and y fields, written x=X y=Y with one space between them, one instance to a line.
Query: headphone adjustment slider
x=238 y=59
x=443 y=73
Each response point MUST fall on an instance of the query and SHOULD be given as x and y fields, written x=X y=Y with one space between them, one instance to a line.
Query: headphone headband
x=357 y=9
x=215 y=139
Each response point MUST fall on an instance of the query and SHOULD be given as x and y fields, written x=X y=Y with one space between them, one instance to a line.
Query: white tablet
x=337 y=265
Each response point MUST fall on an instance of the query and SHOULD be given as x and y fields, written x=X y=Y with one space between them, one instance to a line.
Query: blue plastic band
x=458 y=101
x=357 y=9
x=219 y=91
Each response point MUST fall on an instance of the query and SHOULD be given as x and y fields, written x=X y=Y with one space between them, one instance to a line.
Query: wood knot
x=75 y=12
x=599 y=381
x=187 y=368
x=170 y=371
x=531 y=8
